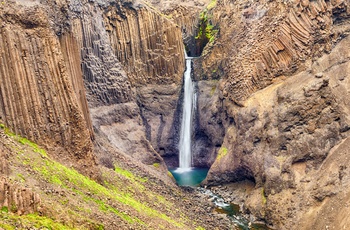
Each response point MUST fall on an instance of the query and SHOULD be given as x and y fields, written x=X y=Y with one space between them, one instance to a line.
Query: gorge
x=91 y=106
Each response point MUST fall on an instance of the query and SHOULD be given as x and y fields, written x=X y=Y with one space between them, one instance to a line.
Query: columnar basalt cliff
x=150 y=48
x=107 y=38
x=283 y=69
x=66 y=83
x=40 y=95
x=271 y=39
x=102 y=80
x=149 y=57
x=132 y=62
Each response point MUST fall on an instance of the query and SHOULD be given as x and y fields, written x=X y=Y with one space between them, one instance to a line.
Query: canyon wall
x=186 y=15
x=282 y=100
x=114 y=68
x=133 y=61
x=42 y=94
x=272 y=91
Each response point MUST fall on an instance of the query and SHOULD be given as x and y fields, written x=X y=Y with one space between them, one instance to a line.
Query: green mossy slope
x=70 y=200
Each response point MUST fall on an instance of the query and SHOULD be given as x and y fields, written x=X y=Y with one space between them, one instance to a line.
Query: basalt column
x=37 y=97
x=150 y=48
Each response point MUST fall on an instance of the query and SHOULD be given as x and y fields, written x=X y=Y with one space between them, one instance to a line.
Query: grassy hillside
x=70 y=200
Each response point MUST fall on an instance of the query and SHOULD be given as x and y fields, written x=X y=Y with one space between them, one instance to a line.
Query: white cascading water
x=186 y=124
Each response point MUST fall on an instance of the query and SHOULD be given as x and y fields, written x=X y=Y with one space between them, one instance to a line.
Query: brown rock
x=286 y=134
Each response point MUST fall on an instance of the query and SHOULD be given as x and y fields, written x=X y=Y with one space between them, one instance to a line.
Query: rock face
x=148 y=44
x=155 y=64
x=42 y=93
x=186 y=15
x=271 y=39
x=122 y=61
x=133 y=61
x=283 y=91
x=128 y=57
x=20 y=200
x=272 y=91
x=209 y=130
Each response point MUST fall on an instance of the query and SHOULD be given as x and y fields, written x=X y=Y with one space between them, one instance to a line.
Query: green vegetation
x=222 y=153
x=69 y=178
x=213 y=88
x=23 y=141
x=5 y=209
x=83 y=196
x=31 y=220
x=34 y=146
x=129 y=175
x=207 y=31
x=170 y=174
x=156 y=165
x=6 y=226
x=13 y=208
x=211 y=5
x=22 y=178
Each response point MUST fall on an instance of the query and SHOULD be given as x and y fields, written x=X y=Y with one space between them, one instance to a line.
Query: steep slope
x=40 y=192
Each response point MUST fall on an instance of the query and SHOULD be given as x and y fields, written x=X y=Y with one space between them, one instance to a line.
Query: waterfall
x=185 y=155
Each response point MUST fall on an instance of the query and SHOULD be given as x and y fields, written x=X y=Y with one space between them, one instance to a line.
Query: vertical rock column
x=37 y=98
x=151 y=50
x=148 y=44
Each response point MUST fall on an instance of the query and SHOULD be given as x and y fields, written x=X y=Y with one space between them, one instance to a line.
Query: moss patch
x=206 y=30
x=222 y=153
x=211 y=5
x=5 y=209
x=32 y=220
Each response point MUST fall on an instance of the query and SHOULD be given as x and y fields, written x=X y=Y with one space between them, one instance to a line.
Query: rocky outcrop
x=186 y=15
x=123 y=127
x=14 y=197
x=285 y=130
x=150 y=47
x=41 y=94
x=17 y=199
x=209 y=130
x=271 y=39
x=117 y=51
x=105 y=80
x=132 y=63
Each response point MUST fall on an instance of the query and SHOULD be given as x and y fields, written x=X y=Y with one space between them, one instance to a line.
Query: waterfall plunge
x=185 y=175
x=186 y=124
